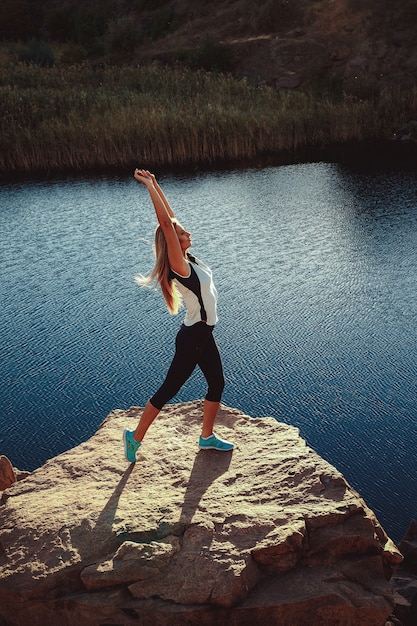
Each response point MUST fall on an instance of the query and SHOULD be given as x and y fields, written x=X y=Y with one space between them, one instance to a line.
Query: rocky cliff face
x=268 y=534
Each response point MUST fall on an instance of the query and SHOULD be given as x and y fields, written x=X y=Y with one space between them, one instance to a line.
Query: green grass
x=77 y=117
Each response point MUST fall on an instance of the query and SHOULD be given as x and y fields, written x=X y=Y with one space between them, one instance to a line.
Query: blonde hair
x=160 y=274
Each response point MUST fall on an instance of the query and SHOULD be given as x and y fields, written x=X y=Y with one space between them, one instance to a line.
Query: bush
x=73 y=54
x=123 y=35
x=212 y=56
x=38 y=53
x=209 y=56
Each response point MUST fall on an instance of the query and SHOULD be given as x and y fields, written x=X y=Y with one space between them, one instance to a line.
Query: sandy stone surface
x=267 y=531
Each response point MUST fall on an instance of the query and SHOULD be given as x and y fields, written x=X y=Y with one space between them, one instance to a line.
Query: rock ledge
x=267 y=534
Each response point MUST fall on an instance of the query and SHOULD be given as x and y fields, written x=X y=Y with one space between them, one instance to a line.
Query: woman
x=182 y=277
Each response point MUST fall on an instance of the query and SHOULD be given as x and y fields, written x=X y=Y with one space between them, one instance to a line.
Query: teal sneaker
x=214 y=443
x=131 y=446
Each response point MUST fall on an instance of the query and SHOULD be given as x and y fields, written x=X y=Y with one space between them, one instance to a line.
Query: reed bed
x=79 y=117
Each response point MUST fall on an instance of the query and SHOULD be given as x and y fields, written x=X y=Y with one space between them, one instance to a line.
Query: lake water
x=316 y=269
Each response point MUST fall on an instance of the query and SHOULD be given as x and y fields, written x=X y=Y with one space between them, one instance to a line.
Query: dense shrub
x=73 y=54
x=38 y=53
x=123 y=35
x=210 y=56
x=213 y=56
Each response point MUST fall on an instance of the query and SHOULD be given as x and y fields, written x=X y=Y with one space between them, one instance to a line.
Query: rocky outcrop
x=268 y=534
x=405 y=579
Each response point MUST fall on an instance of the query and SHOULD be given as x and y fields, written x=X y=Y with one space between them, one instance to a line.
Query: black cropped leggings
x=194 y=345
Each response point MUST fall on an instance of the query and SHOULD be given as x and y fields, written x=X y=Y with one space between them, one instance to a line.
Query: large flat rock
x=268 y=533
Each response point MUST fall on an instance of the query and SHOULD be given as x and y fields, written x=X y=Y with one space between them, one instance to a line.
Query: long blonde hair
x=160 y=274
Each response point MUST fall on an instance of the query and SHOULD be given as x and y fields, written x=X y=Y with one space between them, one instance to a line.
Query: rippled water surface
x=316 y=269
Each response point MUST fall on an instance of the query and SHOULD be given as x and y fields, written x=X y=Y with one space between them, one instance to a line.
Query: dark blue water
x=316 y=269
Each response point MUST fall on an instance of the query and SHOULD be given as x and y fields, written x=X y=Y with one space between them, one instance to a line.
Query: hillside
x=359 y=46
x=325 y=44
x=105 y=83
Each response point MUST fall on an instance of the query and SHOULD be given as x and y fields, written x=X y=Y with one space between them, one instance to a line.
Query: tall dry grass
x=78 y=117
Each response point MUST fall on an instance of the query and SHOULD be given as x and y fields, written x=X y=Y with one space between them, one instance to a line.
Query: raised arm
x=162 y=196
x=165 y=215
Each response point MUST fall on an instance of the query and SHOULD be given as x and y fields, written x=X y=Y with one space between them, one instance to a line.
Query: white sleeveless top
x=198 y=293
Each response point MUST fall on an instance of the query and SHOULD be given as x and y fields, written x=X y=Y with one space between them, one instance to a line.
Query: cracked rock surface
x=268 y=533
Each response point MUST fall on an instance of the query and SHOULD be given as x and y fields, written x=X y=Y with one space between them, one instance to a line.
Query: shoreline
x=391 y=154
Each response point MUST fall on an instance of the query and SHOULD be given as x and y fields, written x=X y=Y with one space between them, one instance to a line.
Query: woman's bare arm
x=164 y=215
x=162 y=196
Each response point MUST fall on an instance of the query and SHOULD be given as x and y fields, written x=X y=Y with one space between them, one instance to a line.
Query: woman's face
x=183 y=236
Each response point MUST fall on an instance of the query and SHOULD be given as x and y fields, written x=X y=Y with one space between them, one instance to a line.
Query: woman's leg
x=149 y=414
x=194 y=345
x=209 y=416
x=211 y=365
x=189 y=343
